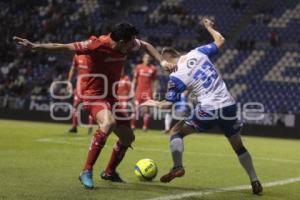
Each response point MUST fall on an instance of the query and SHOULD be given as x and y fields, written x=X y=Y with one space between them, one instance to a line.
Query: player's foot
x=175 y=172
x=90 y=131
x=145 y=129
x=257 y=188
x=86 y=179
x=113 y=177
x=72 y=130
x=167 y=131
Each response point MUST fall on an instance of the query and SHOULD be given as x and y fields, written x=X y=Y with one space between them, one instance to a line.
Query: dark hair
x=123 y=31
x=169 y=50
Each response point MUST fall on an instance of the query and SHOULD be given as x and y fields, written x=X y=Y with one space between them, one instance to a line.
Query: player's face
x=146 y=59
x=168 y=57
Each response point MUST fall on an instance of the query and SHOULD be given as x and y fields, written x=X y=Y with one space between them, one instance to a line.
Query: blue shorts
x=225 y=118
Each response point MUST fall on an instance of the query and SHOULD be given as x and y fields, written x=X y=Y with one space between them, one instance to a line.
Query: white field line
x=50 y=140
x=225 y=189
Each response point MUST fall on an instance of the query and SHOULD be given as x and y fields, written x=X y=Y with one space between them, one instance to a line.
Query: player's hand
x=149 y=102
x=24 y=42
x=207 y=22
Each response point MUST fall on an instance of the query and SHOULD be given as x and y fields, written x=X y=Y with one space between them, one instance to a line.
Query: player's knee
x=176 y=135
x=240 y=150
x=174 y=130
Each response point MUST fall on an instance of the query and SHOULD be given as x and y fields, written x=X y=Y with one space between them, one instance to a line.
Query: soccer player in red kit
x=144 y=79
x=124 y=91
x=107 y=55
x=80 y=64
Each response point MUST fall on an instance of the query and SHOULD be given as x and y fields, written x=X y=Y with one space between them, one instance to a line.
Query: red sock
x=146 y=121
x=91 y=121
x=133 y=121
x=116 y=157
x=98 y=142
x=74 y=119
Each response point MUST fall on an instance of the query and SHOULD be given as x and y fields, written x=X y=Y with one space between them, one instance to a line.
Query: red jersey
x=104 y=67
x=80 y=63
x=124 y=88
x=145 y=75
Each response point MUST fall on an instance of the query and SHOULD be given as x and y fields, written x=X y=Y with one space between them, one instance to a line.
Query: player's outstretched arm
x=71 y=73
x=155 y=54
x=159 y=104
x=44 y=46
x=218 y=38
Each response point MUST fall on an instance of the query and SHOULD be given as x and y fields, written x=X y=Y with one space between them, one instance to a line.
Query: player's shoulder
x=207 y=46
x=189 y=61
x=209 y=50
x=104 y=40
x=136 y=45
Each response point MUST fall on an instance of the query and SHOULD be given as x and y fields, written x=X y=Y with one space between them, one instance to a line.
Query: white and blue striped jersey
x=197 y=74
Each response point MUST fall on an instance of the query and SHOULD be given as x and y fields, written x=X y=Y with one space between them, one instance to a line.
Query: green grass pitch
x=40 y=161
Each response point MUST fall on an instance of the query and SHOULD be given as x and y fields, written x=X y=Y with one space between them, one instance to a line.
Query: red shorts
x=141 y=98
x=120 y=114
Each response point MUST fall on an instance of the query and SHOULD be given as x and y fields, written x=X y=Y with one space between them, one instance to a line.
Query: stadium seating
x=266 y=68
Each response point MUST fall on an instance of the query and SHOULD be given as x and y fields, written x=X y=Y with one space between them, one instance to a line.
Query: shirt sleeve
x=87 y=46
x=136 y=45
x=175 y=88
x=209 y=49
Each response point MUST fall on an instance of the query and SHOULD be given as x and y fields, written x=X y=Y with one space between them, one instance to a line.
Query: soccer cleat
x=145 y=129
x=72 y=130
x=86 y=179
x=257 y=188
x=113 y=177
x=175 y=172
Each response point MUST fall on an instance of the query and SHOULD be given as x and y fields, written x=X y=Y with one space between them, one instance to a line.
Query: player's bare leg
x=90 y=126
x=146 y=118
x=106 y=124
x=246 y=161
x=75 y=113
x=134 y=115
x=126 y=138
x=168 y=121
x=178 y=132
x=73 y=128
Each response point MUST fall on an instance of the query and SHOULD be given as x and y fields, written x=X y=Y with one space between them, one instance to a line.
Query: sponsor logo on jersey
x=191 y=63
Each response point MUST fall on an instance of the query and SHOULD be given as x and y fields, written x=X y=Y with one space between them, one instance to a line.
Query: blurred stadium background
x=259 y=63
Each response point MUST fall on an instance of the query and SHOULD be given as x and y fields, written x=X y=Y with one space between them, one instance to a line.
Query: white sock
x=168 y=120
x=246 y=161
x=176 y=147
